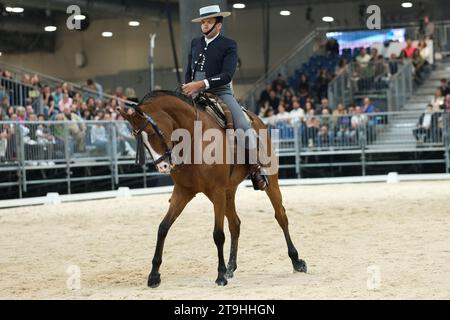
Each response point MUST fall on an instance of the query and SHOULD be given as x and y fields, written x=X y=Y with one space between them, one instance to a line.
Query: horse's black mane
x=160 y=93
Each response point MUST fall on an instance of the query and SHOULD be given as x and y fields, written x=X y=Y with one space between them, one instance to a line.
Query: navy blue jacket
x=218 y=60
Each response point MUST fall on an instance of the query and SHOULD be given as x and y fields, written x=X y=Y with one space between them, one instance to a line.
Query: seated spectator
x=303 y=84
x=21 y=114
x=282 y=114
x=341 y=124
x=425 y=52
x=393 y=64
x=341 y=66
x=325 y=137
x=426 y=126
x=3 y=143
x=99 y=138
x=274 y=101
x=444 y=87
x=446 y=105
x=263 y=110
x=57 y=96
x=50 y=111
x=437 y=100
x=10 y=112
x=358 y=122
x=279 y=82
x=65 y=103
x=4 y=105
x=45 y=140
x=312 y=128
x=380 y=69
x=265 y=95
x=368 y=107
x=324 y=105
x=363 y=58
x=77 y=129
x=407 y=52
x=297 y=114
x=287 y=99
x=309 y=106
x=126 y=141
x=418 y=63
x=46 y=95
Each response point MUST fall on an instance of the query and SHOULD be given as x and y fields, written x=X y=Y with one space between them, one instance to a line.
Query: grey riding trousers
x=226 y=94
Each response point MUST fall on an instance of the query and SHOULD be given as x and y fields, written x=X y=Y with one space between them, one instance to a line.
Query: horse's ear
x=124 y=114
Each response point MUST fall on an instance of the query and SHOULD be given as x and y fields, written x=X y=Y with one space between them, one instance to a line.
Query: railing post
x=20 y=159
x=114 y=157
x=363 y=143
x=297 y=148
x=446 y=128
x=21 y=152
x=112 y=152
x=67 y=155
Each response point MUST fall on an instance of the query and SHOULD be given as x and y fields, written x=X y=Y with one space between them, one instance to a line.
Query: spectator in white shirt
x=297 y=114
x=437 y=100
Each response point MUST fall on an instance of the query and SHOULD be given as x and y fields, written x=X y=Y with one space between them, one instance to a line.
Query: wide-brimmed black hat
x=211 y=12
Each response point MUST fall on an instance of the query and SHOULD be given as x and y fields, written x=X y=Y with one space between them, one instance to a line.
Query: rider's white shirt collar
x=208 y=41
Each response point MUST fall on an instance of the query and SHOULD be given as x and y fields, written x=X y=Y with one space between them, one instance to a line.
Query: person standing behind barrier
x=427 y=28
x=77 y=129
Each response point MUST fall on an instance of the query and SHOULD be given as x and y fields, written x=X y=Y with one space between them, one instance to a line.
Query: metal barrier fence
x=389 y=83
x=358 y=133
x=50 y=145
x=20 y=94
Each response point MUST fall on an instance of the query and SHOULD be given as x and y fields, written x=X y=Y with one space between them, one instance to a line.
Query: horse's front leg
x=179 y=199
x=219 y=201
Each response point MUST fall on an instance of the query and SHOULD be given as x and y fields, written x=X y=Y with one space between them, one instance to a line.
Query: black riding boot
x=259 y=181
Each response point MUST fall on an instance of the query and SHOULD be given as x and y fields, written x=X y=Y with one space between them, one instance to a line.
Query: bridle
x=140 y=152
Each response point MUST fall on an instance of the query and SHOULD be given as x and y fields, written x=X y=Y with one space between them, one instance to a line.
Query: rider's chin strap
x=210 y=30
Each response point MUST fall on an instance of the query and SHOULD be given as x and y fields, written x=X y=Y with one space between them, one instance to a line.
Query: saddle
x=217 y=109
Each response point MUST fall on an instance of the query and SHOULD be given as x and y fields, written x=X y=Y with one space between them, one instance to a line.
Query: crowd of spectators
x=282 y=105
x=60 y=103
x=432 y=122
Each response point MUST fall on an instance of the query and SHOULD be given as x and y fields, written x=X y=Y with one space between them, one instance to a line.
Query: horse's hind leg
x=179 y=199
x=219 y=201
x=273 y=191
x=234 y=224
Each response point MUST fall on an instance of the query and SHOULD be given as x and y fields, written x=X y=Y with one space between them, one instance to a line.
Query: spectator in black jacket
x=426 y=130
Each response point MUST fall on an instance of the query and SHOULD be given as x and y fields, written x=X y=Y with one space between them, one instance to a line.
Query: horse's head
x=153 y=131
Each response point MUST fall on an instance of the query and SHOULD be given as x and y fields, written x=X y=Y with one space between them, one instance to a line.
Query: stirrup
x=257 y=183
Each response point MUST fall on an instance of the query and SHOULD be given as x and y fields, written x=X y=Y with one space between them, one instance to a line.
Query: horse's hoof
x=300 y=266
x=154 y=281
x=230 y=273
x=221 y=282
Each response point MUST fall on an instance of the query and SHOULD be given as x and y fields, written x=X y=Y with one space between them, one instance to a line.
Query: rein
x=140 y=150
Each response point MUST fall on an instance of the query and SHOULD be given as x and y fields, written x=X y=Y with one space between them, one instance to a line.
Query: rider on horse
x=211 y=65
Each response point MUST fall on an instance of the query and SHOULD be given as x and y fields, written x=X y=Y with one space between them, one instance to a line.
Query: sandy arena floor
x=403 y=230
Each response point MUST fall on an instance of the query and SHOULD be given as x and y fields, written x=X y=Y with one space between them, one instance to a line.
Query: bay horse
x=153 y=121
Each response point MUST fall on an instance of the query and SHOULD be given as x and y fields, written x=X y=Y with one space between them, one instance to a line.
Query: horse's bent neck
x=182 y=113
